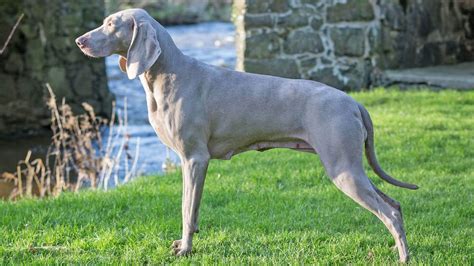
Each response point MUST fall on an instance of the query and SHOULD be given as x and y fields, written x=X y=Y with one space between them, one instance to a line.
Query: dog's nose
x=81 y=41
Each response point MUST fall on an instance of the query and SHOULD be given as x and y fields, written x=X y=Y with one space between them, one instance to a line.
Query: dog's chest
x=160 y=116
x=162 y=119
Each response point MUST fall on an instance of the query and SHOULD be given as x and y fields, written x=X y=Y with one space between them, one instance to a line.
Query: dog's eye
x=109 y=24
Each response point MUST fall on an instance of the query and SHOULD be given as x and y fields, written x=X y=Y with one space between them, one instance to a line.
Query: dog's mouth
x=89 y=52
x=92 y=53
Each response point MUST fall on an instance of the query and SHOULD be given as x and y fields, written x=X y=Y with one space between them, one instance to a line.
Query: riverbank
x=276 y=207
x=210 y=42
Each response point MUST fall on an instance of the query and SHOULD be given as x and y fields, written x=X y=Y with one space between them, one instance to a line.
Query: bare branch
x=11 y=33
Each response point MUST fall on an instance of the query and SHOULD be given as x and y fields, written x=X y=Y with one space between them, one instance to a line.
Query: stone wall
x=43 y=50
x=177 y=12
x=348 y=43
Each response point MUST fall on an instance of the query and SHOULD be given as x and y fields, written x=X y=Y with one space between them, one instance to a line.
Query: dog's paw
x=179 y=249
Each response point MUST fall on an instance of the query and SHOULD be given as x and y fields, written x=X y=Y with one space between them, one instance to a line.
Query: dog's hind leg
x=340 y=150
x=358 y=187
x=387 y=199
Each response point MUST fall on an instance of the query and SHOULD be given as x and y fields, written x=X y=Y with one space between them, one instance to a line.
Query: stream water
x=211 y=42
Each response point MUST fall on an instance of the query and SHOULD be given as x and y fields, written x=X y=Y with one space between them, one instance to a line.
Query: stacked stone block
x=43 y=50
x=348 y=43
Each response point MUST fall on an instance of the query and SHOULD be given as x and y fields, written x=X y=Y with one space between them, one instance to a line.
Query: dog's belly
x=226 y=150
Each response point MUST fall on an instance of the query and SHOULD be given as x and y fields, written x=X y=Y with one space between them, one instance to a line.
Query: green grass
x=278 y=206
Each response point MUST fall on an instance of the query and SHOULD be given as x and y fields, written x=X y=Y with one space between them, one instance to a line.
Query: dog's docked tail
x=370 y=152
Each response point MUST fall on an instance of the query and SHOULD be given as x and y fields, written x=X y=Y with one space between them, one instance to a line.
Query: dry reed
x=77 y=156
x=10 y=35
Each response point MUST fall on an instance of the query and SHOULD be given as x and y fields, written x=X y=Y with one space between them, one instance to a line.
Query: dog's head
x=129 y=33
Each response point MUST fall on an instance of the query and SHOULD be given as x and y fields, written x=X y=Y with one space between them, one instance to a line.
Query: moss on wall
x=347 y=44
x=41 y=51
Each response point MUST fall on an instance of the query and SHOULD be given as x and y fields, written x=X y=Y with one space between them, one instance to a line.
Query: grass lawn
x=277 y=206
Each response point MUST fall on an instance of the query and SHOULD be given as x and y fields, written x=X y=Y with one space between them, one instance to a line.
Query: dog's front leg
x=194 y=172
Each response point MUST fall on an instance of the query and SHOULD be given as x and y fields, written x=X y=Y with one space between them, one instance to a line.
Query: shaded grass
x=278 y=206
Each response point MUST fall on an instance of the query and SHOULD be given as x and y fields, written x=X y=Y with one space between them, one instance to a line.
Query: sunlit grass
x=278 y=206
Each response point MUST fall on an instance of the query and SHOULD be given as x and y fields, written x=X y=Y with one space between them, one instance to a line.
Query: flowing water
x=211 y=42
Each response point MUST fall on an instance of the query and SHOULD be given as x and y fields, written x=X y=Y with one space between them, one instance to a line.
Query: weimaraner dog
x=204 y=112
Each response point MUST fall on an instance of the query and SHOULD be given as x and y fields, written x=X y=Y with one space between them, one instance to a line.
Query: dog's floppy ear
x=143 y=51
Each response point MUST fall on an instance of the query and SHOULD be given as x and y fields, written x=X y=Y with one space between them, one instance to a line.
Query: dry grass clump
x=77 y=156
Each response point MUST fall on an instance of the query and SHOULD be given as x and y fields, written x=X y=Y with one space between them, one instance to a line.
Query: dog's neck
x=171 y=58
x=171 y=63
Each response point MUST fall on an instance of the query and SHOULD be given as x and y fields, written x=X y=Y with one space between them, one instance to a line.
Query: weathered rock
x=83 y=84
x=425 y=25
x=7 y=88
x=348 y=41
x=41 y=51
x=374 y=40
x=357 y=72
x=74 y=56
x=57 y=80
x=74 y=19
x=29 y=30
x=61 y=43
x=260 y=20
x=278 y=67
x=3 y=127
x=258 y=6
x=297 y=18
x=316 y=23
x=27 y=91
x=452 y=48
x=352 y=10
x=308 y=62
x=14 y=63
x=301 y=41
x=279 y=6
x=35 y=54
x=311 y=2
x=327 y=76
x=379 y=35
x=430 y=54
x=325 y=60
x=262 y=45
x=394 y=16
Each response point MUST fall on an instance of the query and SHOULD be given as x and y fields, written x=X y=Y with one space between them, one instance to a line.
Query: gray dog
x=204 y=112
